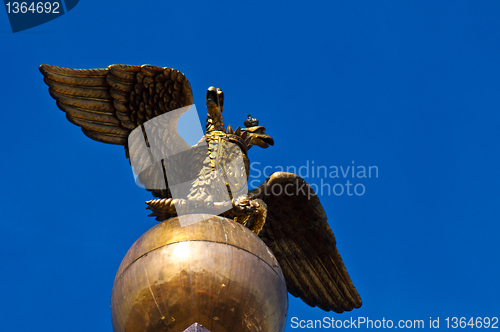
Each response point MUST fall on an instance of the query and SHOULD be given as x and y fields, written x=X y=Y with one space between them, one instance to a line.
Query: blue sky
x=412 y=88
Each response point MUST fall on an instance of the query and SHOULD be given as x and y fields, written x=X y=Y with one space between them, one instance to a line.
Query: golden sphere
x=215 y=272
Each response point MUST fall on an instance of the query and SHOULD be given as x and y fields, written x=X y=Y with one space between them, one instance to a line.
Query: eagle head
x=215 y=101
x=258 y=136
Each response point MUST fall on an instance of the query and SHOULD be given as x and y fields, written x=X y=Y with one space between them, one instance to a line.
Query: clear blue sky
x=410 y=87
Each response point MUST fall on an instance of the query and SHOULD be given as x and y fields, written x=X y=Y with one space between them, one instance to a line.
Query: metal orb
x=215 y=272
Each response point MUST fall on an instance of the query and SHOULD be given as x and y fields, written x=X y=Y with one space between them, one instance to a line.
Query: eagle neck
x=214 y=124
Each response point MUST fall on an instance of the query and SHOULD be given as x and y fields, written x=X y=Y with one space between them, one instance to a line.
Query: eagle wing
x=297 y=232
x=109 y=103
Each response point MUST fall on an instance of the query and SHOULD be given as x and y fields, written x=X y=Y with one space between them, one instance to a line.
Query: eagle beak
x=259 y=137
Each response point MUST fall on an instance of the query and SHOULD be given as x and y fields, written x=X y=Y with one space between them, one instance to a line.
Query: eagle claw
x=250 y=212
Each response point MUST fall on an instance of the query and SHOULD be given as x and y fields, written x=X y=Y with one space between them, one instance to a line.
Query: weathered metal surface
x=215 y=272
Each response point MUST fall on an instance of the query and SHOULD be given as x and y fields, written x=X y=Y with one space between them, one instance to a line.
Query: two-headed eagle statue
x=108 y=104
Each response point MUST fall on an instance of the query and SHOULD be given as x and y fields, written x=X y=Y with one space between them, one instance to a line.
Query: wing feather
x=98 y=92
x=99 y=127
x=285 y=266
x=109 y=103
x=86 y=114
x=119 y=83
x=78 y=77
x=105 y=138
x=297 y=231
x=93 y=104
x=297 y=259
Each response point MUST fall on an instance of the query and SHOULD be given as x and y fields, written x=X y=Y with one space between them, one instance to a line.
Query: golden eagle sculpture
x=109 y=104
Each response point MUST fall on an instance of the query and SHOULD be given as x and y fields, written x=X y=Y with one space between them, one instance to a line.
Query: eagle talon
x=250 y=212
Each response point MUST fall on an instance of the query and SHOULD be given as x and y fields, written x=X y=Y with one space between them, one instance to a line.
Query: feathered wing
x=109 y=103
x=297 y=232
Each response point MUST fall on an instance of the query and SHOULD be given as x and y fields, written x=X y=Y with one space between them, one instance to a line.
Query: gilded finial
x=111 y=105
